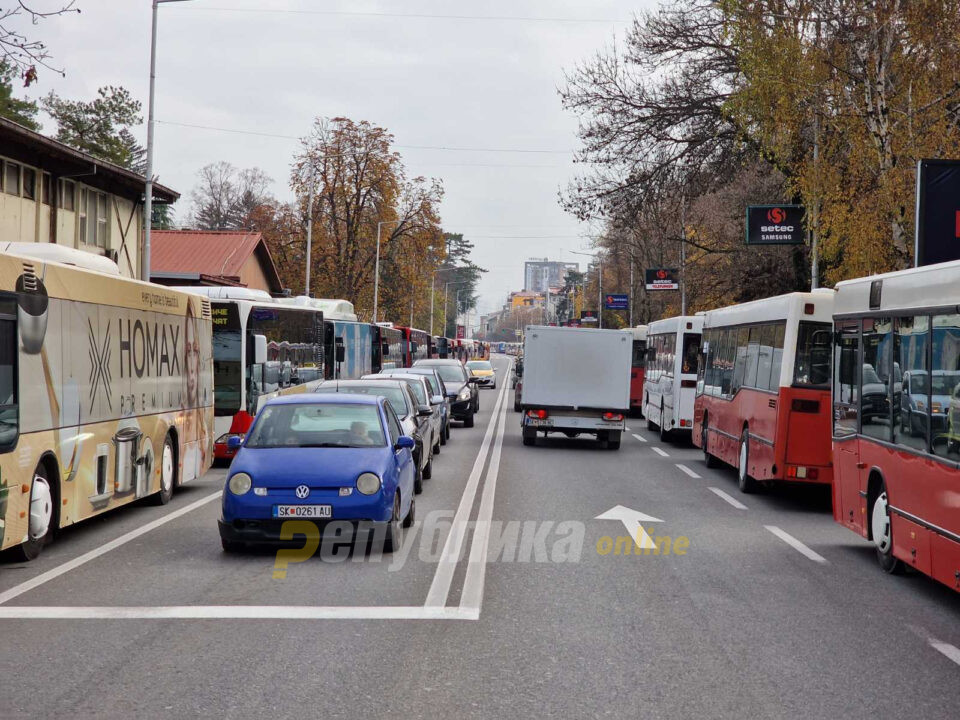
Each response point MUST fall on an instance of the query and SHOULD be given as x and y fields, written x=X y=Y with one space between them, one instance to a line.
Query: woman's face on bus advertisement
x=192 y=358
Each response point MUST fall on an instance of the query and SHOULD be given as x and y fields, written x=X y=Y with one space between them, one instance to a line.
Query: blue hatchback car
x=320 y=458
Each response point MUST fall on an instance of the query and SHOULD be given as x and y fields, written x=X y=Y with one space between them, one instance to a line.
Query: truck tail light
x=686 y=423
x=805 y=406
x=538 y=414
x=614 y=417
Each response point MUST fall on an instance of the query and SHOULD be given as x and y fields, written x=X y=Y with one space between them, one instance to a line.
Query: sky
x=481 y=81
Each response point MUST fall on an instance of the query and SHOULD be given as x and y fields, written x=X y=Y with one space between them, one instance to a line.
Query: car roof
x=321 y=399
x=435 y=361
x=365 y=381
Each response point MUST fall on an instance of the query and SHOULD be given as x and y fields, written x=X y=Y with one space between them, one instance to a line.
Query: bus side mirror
x=385 y=349
x=341 y=353
x=259 y=349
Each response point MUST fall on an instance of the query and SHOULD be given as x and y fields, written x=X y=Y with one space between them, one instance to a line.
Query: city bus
x=387 y=347
x=670 y=377
x=637 y=367
x=106 y=389
x=763 y=390
x=416 y=345
x=896 y=416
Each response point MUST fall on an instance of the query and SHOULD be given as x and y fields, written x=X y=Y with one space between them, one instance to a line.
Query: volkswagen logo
x=302 y=491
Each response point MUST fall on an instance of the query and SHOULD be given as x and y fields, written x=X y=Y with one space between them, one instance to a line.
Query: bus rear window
x=8 y=383
x=691 y=353
x=639 y=353
x=812 y=366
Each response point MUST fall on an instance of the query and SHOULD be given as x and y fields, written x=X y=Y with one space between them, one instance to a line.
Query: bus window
x=8 y=379
x=845 y=379
x=691 y=353
x=639 y=353
x=912 y=411
x=876 y=378
x=753 y=357
x=946 y=386
x=813 y=355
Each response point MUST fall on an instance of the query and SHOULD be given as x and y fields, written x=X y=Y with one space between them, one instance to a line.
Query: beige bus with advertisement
x=105 y=391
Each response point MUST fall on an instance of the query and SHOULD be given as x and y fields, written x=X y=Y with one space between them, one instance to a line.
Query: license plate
x=302 y=511
x=537 y=422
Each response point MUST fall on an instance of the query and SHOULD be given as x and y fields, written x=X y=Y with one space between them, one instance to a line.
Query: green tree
x=100 y=126
x=462 y=275
x=12 y=108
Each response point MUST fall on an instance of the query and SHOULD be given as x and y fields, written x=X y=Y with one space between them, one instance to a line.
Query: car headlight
x=240 y=483
x=464 y=393
x=368 y=483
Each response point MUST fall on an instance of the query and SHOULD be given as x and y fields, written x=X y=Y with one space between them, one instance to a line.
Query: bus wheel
x=747 y=484
x=883 y=534
x=168 y=473
x=41 y=524
x=708 y=459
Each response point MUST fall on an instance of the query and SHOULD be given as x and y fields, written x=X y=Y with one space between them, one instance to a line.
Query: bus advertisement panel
x=896 y=416
x=106 y=394
x=763 y=389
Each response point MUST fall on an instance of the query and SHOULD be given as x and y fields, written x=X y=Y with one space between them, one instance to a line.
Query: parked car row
x=352 y=450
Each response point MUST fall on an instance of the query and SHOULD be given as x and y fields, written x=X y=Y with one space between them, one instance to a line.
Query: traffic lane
x=681 y=633
x=182 y=563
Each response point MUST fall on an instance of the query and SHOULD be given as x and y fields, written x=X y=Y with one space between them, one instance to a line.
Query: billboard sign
x=662 y=279
x=938 y=212
x=775 y=225
x=461 y=332
x=616 y=301
x=588 y=316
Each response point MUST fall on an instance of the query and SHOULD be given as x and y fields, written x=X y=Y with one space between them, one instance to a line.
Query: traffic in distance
x=855 y=388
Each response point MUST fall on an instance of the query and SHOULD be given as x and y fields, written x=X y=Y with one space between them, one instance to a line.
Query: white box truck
x=575 y=381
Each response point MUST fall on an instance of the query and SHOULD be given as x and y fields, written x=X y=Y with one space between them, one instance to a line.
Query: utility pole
x=313 y=180
x=433 y=287
x=600 y=293
x=683 y=254
x=814 y=268
x=630 y=322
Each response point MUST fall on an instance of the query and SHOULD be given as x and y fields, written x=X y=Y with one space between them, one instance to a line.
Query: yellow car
x=483 y=371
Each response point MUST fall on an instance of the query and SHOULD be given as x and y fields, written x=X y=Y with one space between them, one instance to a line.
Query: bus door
x=846 y=381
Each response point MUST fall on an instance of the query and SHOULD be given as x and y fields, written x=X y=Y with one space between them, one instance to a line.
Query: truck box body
x=576 y=368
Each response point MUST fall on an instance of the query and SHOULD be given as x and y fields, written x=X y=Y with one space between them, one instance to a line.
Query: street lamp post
x=148 y=186
x=376 y=271
x=599 y=258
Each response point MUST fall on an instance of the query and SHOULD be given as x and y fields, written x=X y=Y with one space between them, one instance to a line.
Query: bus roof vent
x=205 y=309
x=220 y=292
x=30 y=280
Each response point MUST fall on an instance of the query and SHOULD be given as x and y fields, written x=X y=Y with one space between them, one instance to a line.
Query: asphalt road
x=770 y=611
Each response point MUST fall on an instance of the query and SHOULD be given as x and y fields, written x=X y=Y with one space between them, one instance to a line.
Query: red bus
x=763 y=389
x=637 y=368
x=896 y=417
x=416 y=345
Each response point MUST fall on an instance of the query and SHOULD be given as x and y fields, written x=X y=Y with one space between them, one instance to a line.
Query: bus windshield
x=691 y=353
x=813 y=355
x=227 y=371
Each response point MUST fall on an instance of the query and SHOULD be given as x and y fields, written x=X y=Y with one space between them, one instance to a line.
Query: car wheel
x=436 y=448
x=418 y=480
x=411 y=513
x=883 y=534
x=746 y=483
x=428 y=468
x=468 y=420
x=391 y=541
x=529 y=436
x=41 y=522
x=709 y=460
x=168 y=473
x=448 y=430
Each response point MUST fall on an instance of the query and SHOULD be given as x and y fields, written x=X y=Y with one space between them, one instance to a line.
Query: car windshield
x=317 y=425
x=393 y=394
x=432 y=382
x=450 y=373
x=479 y=365
x=418 y=391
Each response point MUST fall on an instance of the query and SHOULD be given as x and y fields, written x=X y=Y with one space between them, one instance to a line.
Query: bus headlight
x=368 y=483
x=240 y=483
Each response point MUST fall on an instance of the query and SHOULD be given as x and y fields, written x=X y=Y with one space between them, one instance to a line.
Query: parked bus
x=670 y=380
x=763 y=391
x=638 y=366
x=387 y=347
x=896 y=416
x=416 y=345
x=106 y=394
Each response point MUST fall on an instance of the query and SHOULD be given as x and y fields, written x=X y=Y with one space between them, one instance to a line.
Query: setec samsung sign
x=662 y=279
x=616 y=301
x=775 y=225
x=938 y=211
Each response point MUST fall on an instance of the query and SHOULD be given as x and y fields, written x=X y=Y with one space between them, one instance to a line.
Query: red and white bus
x=763 y=390
x=670 y=377
x=896 y=416
x=416 y=345
x=637 y=367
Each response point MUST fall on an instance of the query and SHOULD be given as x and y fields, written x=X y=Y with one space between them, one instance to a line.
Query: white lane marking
x=641 y=438
x=688 y=471
x=796 y=544
x=236 y=612
x=950 y=651
x=56 y=572
x=472 y=596
x=723 y=496
x=660 y=452
x=450 y=556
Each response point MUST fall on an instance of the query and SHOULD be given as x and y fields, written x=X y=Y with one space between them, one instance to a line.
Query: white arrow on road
x=631 y=520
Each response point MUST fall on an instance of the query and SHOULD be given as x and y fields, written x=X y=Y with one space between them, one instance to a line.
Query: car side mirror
x=436 y=399
x=425 y=411
x=405 y=442
x=234 y=442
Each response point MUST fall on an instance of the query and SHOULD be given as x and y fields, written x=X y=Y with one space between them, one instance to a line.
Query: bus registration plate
x=302 y=511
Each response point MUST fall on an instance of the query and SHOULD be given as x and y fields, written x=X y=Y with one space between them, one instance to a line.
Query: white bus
x=670 y=380
x=105 y=391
